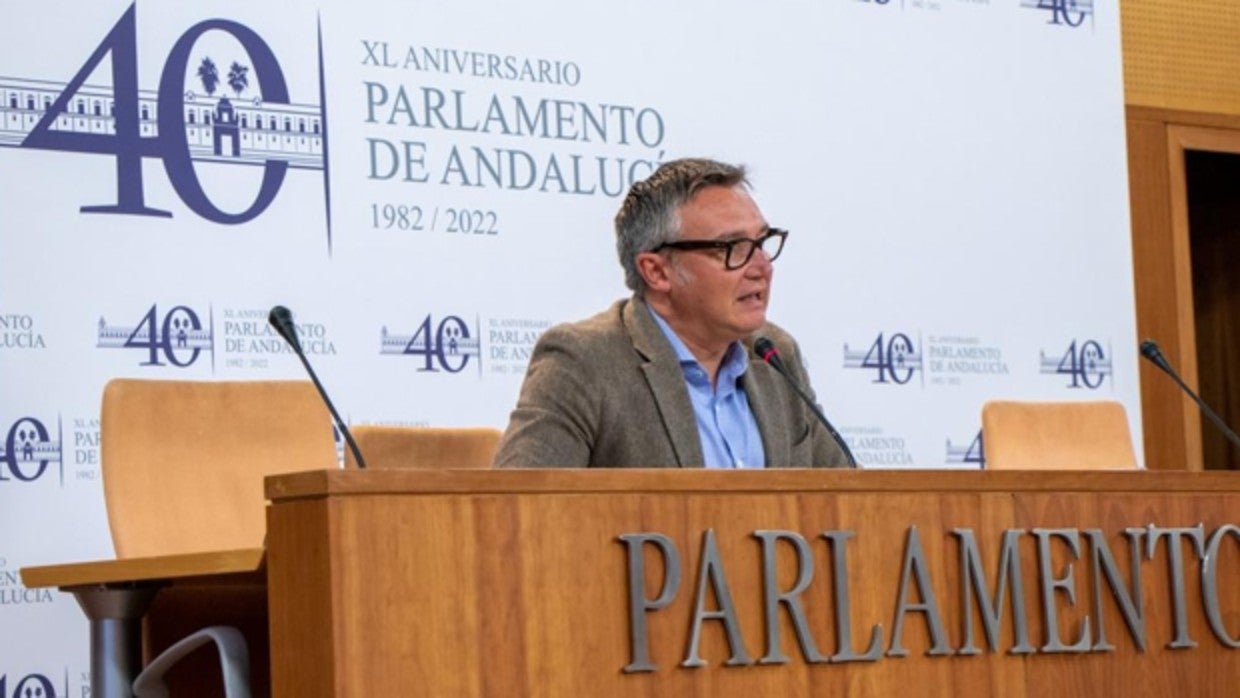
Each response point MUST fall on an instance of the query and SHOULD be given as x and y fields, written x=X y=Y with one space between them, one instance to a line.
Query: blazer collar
x=666 y=380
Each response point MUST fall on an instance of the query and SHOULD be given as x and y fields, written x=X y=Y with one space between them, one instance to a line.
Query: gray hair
x=650 y=214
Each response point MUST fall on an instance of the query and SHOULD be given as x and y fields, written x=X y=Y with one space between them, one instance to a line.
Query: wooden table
x=781 y=583
x=116 y=594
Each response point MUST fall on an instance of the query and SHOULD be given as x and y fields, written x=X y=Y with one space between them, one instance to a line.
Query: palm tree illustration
x=238 y=78
x=209 y=75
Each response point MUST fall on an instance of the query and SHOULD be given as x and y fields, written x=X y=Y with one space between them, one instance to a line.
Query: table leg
x=115 y=614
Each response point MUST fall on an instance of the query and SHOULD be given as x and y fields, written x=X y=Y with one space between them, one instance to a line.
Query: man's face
x=713 y=306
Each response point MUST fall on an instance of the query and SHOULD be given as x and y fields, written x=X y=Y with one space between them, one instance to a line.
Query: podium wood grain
x=514 y=583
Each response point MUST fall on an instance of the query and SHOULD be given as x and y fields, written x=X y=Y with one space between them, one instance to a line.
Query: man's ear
x=656 y=270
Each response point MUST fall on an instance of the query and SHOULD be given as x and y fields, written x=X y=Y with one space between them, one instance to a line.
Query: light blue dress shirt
x=726 y=425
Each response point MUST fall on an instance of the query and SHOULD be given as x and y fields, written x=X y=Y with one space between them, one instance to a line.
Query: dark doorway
x=1214 y=237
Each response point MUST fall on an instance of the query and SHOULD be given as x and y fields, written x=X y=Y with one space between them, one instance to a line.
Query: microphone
x=1150 y=350
x=281 y=319
x=767 y=351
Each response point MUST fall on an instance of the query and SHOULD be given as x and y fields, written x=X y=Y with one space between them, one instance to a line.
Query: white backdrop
x=952 y=172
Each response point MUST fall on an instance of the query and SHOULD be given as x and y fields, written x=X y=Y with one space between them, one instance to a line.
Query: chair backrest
x=1056 y=436
x=424 y=447
x=183 y=461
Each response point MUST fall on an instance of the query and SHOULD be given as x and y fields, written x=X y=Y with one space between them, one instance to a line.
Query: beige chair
x=424 y=447
x=184 y=461
x=183 y=465
x=1056 y=436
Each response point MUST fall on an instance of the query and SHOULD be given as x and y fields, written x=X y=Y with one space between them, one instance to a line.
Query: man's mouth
x=758 y=296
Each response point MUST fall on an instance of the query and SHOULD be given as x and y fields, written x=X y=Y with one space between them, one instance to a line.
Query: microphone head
x=765 y=349
x=1151 y=351
x=281 y=318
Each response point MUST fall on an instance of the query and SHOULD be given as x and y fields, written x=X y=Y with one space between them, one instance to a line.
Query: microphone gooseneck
x=766 y=350
x=1151 y=351
x=281 y=318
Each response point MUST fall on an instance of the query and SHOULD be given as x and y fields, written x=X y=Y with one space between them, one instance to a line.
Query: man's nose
x=760 y=264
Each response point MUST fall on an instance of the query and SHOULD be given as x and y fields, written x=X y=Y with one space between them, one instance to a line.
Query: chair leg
x=234 y=658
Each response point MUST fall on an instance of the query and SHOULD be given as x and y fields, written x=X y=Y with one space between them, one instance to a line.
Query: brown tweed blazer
x=608 y=391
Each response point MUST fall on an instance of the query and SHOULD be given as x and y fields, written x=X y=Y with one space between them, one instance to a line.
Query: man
x=668 y=377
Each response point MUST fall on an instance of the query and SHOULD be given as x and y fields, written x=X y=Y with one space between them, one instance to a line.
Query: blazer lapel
x=763 y=393
x=667 y=383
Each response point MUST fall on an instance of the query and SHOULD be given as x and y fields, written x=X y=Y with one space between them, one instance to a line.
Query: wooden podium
x=777 y=583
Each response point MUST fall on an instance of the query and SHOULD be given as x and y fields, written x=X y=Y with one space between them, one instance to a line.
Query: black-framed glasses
x=737 y=253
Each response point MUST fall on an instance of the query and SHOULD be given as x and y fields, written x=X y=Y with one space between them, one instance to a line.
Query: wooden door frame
x=1162 y=265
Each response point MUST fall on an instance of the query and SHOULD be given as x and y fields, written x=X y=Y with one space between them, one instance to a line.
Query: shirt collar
x=732 y=367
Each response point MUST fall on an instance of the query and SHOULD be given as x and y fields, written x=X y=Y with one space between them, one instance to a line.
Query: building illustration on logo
x=33 y=685
x=1084 y=362
x=449 y=345
x=28 y=449
x=971 y=453
x=253 y=122
x=895 y=358
x=218 y=129
x=177 y=337
x=1069 y=13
